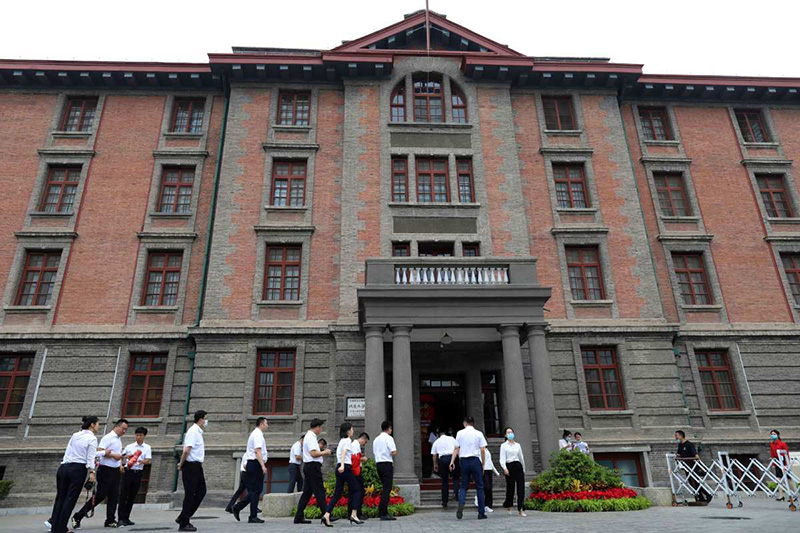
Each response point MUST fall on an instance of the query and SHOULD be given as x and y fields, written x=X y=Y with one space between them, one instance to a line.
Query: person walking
x=442 y=452
x=775 y=445
x=242 y=488
x=565 y=443
x=358 y=459
x=488 y=471
x=687 y=453
x=191 y=469
x=580 y=444
x=107 y=477
x=344 y=474
x=471 y=448
x=79 y=457
x=256 y=469
x=512 y=461
x=384 y=450
x=132 y=478
x=295 y=466
x=312 y=472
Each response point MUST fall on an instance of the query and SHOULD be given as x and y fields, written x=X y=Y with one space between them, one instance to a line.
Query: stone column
x=474 y=404
x=516 y=399
x=374 y=382
x=403 y=405
x=544 y=403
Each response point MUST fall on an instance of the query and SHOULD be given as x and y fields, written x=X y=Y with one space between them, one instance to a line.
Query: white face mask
x=205 y=424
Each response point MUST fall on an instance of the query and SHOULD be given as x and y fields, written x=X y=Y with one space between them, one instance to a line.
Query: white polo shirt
x=470 y=441
x=82 y=449
x=444 y=445
x=194 y=438
x=297 y=449
x=132 y=448
x=310 y=444
x=344 y=444
x=382 y=448
x=254 y=442
x=355 y=447
x=112 y=442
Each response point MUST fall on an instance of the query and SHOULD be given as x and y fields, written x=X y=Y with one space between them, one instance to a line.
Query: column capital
x=374 y=329
x=536 y=329
x=509 y=329
x=400 y=329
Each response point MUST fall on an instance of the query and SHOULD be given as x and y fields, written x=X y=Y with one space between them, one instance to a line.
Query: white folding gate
x=732 y=478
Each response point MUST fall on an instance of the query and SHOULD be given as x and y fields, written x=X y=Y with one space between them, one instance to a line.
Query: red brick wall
x=369 y=216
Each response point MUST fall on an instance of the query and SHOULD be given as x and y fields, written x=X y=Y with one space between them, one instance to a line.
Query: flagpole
x=427 y=29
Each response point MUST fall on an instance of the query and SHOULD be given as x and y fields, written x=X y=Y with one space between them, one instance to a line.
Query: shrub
x=588 y=506
x=5 y=488
x=575 y=471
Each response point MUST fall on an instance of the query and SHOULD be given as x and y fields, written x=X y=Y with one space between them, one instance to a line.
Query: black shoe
x=481 y=517
x=324 y=523
x=229 y=509
x=126 y=523
x=333 y=519
x=76 y=522
x=460 y=512
x=111 y=524
x=260 y=511
x=387 y=517
x=254 y=520
x=355 y=520
x=302 y=521
x=187 y=527
x=444 y=506
x=236 y=513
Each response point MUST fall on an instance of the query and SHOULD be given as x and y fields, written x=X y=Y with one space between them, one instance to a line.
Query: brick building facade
x=538 y=242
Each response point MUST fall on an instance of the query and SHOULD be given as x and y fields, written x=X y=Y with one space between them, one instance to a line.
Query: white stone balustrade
x=451 y=275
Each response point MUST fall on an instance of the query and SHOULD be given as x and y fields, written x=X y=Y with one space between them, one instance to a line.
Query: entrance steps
x=431 y=496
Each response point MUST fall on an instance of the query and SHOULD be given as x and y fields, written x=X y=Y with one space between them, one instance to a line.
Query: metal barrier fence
x=689 y=477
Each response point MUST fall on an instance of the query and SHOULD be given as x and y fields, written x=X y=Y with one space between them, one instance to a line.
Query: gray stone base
x=279 y=505
x=659 y=496
x=410 y=493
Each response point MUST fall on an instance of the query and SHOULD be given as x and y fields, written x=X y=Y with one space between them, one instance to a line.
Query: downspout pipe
x=192 y=355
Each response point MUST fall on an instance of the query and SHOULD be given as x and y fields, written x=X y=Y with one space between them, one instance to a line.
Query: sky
x=668 y=37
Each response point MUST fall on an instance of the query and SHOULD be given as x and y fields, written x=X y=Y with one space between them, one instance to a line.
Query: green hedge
x=575 y=471
x=402 y=509
x=5 y=488
x=588 y=506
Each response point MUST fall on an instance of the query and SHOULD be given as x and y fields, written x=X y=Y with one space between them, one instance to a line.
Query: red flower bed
x=609 y=494
x=369 y=501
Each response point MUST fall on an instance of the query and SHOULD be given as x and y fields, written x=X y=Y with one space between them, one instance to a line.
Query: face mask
x=510 y=436
x=773 y=437
x=568 y=439
x=677 y=441
x=205 y=424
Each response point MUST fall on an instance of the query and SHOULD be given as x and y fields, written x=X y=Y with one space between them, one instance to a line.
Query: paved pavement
x=756 y=515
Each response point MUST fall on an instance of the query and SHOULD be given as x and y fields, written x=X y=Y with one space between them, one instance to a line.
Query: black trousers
x=69 y=482
x=446 y=475
x=313 y=484
x=515 y=478
x=194 y=490
x=107 y=489
x=488 y=496
x=129 y=488
x=353 y=504
x=254 y=481
x=239 y=490
x=295 y=478
x=352 y=488
x=386 y=475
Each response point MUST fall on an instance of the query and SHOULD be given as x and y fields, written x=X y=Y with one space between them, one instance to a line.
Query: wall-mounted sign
x=356 y=407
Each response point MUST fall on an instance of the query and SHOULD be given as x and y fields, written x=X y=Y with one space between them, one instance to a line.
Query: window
x=427 y=99
x=773 y=192
x=277 y=478
x=38 y=278
x=671 y=191
x=15 y=372
x=691 y=273
x=274 y=382
x=79 y=115
x=471 y=249
x=59 y=191
x=294 y=108
x=398 y=105
x=490 y=394
x=432 y=183
x=176 y=190
x=558 y=113
x=628 y=464
x=282 y=273
x=466 y=189
x=435 y=249
x=289 y=183
x=459 y=105
x=187 y=116
x=717 y=380
x=585 y=274
x=145 y=385
x=399 y=179
x=791 y=265
x=751 y=125
x=163 y=279
x=570 y=186
x=401 y=249
x=655 y=124
x=603 y=385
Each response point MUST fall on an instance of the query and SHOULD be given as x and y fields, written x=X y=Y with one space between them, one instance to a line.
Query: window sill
x=156 y=310
x=24 y=309
x=142 y=420
x=44 y=214
x=474 y=205
x=680 y=219
x=591 y=303
x=609 y=412
x=576 y=210
x=158 y=214
x=733 y=414
x=71 y=134
x=290 y=127
x=783 y=220
x=564 y=133
x=272 y=417
x=279 y=303
x=183 y=135
x=658 y=142
x=286 y=209
x=10 y=422
x=701 y=308
x=437 y=125
x=770 y=144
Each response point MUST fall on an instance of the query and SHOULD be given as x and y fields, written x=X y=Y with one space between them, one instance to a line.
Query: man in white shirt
x=488 y=470
x=107 y=476
x=256 y=457
x=471 y=447
x=312 y=471
x=384 y=450
x=442 y=452
x=240 y=490
x=295 y=465
x=580 y=445
x=191 y=468
x=132 y=477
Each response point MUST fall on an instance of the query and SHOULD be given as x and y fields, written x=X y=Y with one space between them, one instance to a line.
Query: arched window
x=398 y=105
x=428 y=98
x=459 y=104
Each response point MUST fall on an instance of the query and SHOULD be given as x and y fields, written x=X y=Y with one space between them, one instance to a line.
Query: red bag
x=356 y=459
x=134 y=458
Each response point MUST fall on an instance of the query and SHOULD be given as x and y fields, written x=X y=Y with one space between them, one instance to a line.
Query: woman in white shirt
x=512 y=461
x=78 y=458
x=344 y=474
x=565 y=443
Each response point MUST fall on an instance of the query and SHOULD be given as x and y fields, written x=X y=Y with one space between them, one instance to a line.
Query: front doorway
x=443 y=405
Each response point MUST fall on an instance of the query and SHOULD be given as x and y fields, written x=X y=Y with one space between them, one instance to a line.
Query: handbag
x=356 y=460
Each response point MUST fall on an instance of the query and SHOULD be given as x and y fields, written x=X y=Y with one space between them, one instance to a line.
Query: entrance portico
x=475 y=300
